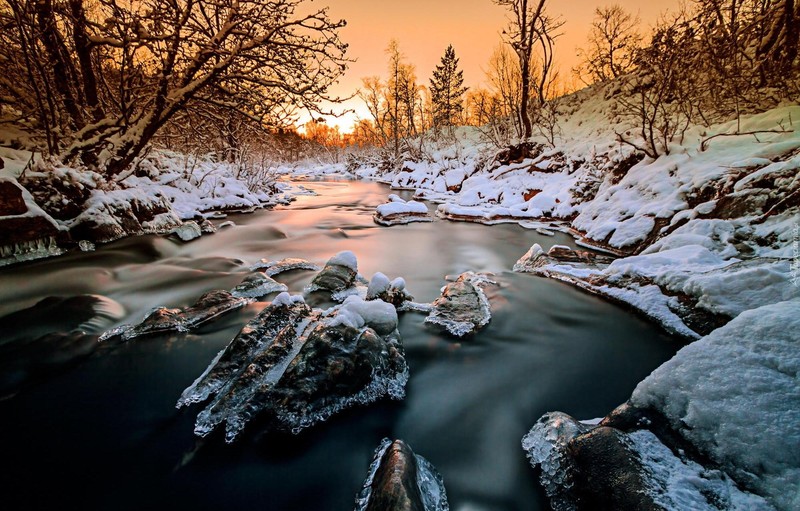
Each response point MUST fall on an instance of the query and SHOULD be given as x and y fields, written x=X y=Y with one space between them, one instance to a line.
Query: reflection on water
x=105 y=434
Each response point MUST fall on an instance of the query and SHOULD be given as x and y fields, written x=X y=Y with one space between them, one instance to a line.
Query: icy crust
x=734 y=396
x=463 y=307
x=546 y=447
x=272 y=268
x=397 y=211
x=401 y=465
x=683 y=485
x=289 y=359
x=258 y=285
x=160 y=320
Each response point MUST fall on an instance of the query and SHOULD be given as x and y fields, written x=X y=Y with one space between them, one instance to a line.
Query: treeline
x=709 y=62
x=94 y=82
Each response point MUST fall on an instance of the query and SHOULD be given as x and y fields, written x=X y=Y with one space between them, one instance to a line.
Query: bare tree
x=531 y=29
x=611 y=44
x=104 y=77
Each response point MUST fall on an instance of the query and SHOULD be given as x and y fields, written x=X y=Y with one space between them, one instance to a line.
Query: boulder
x=400 y=480
x=258 y=285
x=338 y=274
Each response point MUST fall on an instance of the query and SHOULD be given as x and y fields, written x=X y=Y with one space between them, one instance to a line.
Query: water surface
x=102 y=431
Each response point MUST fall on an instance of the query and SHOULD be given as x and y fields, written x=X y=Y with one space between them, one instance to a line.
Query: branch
x=704 y=143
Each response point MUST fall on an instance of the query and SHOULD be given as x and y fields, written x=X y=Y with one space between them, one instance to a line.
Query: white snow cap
x=399 y=283
x=377 y=285
x=357 y=313
x=287 y=299
x=346 y=258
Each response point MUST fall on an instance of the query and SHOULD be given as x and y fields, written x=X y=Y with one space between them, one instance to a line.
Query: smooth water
x=96 y=426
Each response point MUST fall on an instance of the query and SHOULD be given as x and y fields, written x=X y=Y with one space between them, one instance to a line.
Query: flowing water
x=88 y=426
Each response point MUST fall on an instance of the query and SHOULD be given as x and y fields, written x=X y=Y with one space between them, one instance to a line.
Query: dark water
x=100 y=431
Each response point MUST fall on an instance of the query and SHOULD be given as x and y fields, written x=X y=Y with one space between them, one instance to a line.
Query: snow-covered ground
x=706 y=235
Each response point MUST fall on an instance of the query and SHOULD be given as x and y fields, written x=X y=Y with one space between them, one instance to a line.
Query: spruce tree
x=447 y=90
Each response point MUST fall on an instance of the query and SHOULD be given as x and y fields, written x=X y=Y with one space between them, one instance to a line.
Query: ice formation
x=300 y=365
x=463 y=307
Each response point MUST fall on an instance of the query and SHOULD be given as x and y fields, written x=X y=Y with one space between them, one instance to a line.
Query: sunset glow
x=424 y=29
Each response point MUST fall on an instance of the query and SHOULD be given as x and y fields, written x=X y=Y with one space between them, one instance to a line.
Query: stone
x=208 y=307
x=463 y=307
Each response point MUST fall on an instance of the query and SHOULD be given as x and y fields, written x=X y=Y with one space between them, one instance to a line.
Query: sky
x=424 y=29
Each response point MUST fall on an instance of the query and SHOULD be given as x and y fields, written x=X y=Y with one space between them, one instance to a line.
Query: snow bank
x=734 y=395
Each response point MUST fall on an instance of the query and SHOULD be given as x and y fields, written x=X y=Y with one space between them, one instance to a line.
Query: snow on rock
x=287 y=299
x=26 y=230
x=398 y=478
x=338 y=275
x=273 y=268
x=463 y=307
x=357 y=313
x=397 y=211
x=207 y=308
x=734 y=396
x=394 y=292
x=188 y=231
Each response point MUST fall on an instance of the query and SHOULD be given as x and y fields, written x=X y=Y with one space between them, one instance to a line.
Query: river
x=95 y=426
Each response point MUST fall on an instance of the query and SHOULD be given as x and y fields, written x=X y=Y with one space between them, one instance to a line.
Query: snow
x=400 y=208
x=287 y=300
x=357 y=313
x=379 y=283
x=683 y=485
x=734 y=395
x=346 y=258
x=188 y=231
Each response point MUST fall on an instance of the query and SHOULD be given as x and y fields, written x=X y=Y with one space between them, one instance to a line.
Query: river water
x=95 y=427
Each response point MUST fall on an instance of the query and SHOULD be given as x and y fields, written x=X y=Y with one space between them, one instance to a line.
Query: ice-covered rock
x=86 y=246
x=299 y=366
x=338 y=274
x=734 y=395
x=463 y=307
x=258 y=285
x=273 y=268
x=207 y=308
x=188 y=231
x=394 y=291
x=397 y=211
x=536 y=258
x=400 y=480
x=586 y=466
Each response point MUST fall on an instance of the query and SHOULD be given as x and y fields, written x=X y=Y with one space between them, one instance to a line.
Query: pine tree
x=447 y=90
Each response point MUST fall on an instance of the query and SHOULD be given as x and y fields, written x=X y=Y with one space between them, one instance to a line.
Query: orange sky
x=424 y=28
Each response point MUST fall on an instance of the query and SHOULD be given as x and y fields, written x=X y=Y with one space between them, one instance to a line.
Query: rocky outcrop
x=116 y=217
x=162 y=320
x=298 y=366
x=26 y=231
x=463 y=307
x=400 y=480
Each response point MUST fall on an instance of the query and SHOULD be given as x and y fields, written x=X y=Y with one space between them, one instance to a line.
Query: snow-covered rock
x=188 y=231
x=338 y=274
x=258 y=285
x=273 y=268
x=397 y=211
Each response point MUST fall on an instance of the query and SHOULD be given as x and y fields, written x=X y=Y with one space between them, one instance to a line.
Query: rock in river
x=273 y=268
x=400 y=480
x=398 y=212
x=339 y=274
x=208 y=307
x=258 y=285
x=300 y=365
x=463 y=307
